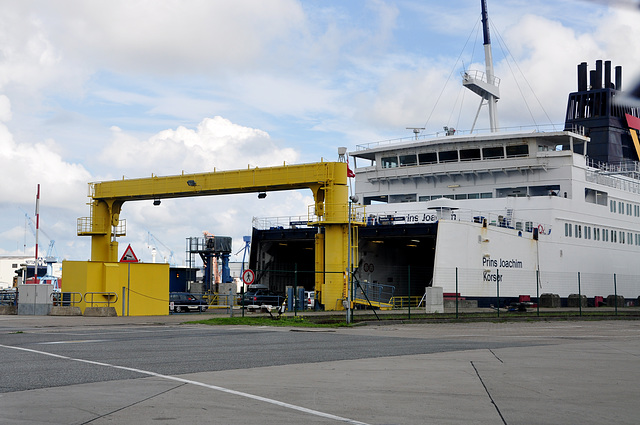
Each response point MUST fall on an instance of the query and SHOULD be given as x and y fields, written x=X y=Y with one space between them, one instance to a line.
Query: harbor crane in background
x=51 y=249
x=153 y=242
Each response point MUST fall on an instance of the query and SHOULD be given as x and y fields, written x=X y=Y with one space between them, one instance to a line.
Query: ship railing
x=448 y=132
x=504 y=219
x=613 y=181
x=622 y=167
x=623 y=175
x=474 y=74
x=284 y=222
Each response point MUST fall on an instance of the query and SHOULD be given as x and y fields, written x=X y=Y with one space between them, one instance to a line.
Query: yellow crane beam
x=327 y=181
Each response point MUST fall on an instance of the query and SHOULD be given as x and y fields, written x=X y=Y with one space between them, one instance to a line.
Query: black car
x=183 y=301
x=263 y=297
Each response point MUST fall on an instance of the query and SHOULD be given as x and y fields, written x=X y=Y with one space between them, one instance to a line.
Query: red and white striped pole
x=35 y=274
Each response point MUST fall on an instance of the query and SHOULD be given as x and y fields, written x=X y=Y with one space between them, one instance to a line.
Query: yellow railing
x=404 y=302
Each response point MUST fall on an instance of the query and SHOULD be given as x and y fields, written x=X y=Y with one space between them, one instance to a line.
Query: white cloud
x=215 y=143
x=172 y=36
x=24 y=166
x=5 y=109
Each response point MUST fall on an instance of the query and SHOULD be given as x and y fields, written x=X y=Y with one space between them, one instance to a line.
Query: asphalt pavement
x=156 y=370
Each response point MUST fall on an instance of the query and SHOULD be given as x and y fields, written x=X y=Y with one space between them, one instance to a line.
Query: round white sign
x=248 y=276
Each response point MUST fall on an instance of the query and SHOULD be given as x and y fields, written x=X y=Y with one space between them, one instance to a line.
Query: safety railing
x=375 y=294
x=89 y=298
x=405 y=302
x=66 y=299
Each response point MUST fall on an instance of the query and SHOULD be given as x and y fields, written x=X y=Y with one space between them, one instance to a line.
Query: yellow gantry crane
x=327 y=181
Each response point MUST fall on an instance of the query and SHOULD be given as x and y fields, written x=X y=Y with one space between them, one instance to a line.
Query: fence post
x=409 y=289
x=123 y=298
x=230 y=302
x=498 y=290
x=456 y=292
x=579 y=295
x=128 y=286
x=538 y=292
x=295 y=289
x=615 y=292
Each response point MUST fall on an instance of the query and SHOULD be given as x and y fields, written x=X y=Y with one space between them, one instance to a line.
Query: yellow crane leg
x=335 y=260
x=105 y=216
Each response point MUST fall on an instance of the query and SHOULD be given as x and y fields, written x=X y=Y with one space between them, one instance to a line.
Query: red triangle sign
x=129 y=256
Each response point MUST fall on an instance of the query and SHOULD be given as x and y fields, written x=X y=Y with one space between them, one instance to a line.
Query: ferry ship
x=493 y=217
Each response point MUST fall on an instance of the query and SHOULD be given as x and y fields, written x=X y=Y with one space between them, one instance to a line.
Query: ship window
x=549 y=190
x=621 y=236
x=461 y=196
x=486 y=195
x=612 y=206
x=605 y=235
x=621 y=207
x=512 y=191
x=389 y=162
x=628 y=209
x=448 y=156
x=428 y=158
x=518 y=150
x=518 y=225
x=595 y=196
x=567 y=226
x=493 y=153
x=596 y=232
x=423 y=198
x=406 y=160
x=469 y=154
x=372 y=200
x=410 y=197
x=528 y=227
x=474 y=196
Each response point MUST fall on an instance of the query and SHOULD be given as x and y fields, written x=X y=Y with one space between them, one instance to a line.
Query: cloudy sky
x=98 y=90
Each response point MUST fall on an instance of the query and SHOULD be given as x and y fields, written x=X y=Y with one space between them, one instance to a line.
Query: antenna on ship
x=416 y=130
x=485 y=84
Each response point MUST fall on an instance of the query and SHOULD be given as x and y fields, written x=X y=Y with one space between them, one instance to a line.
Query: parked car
x=183 y=301
x=263 y=297
x=8 y=297
x=310 y=299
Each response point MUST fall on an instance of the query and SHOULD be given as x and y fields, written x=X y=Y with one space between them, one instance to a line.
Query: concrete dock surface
x=156 y=370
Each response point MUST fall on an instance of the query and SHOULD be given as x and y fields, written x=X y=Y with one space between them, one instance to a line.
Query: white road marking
x=85 y=341
x=200 y=384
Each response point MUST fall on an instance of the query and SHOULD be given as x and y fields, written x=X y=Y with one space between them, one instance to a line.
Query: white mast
x=485 y=84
